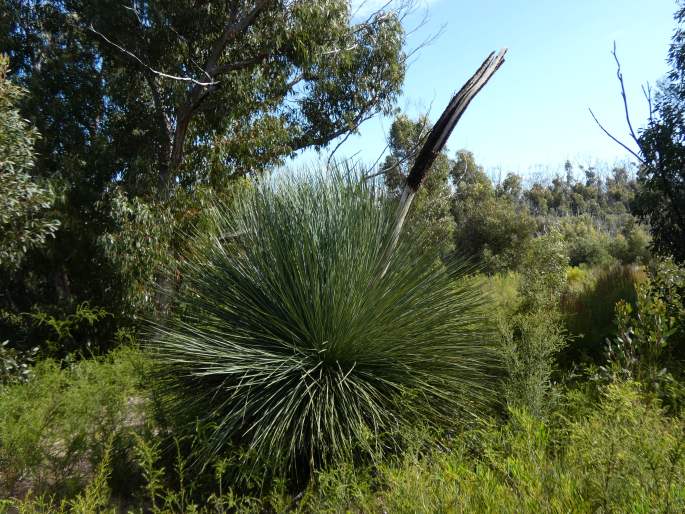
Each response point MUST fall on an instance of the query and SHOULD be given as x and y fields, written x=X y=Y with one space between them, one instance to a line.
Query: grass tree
x=310 y=329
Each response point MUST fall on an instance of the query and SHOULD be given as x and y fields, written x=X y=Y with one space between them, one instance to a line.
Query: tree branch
x=409 y=156
x=647 y=91
x=239 y=65
x=342 y=141
x=231 y=31
x=619 y=75
x=148 y=67
x=615 y=139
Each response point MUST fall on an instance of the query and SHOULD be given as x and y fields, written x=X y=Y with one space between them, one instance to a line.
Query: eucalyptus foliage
x=289 y=338
x=23 y=201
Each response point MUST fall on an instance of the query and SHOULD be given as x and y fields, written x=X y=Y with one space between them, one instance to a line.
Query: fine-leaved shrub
x=55 y=427
x=533 y=335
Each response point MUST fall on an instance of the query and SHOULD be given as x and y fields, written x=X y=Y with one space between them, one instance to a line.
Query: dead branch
x=441 y=131
x=615 y=139
x=335 y=149
x=647 y=91
x=413 y=151
x=619 y=75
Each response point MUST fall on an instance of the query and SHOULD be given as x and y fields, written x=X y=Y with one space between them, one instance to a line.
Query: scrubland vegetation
x=182 y=331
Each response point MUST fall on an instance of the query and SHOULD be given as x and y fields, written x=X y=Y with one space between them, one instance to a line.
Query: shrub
x=625 y=456
x=530 y=344
x=588 y=311
x=14 y=364
x=54 y=428
x=586 y=243
x=503 y=288
x=86 y=330
x=620 y=454
x=651 y=333
x=631 y=247
x=532 y=336
x=543 y=271
x=291 y=340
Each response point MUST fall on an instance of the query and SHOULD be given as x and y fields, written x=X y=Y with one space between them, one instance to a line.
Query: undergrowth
x=620 y=454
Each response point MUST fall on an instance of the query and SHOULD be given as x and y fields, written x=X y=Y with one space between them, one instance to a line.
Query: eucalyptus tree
x=659 y=148
x=152 y=100
x=24 y=203
x=661 y=199
x=180 y=91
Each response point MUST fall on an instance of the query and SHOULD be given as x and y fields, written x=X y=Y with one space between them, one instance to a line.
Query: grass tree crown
x=295 y=337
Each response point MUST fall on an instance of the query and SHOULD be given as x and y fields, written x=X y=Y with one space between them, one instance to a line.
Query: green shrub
x=650 y=336
x=632 y=246
x=628 y=456
x=86 y=330
x=543 y=271
x=15 y=366
x=533 y=335
x=578 y=278
x=586 y=243
x=588 y=312
x=291 y=340
x=503 y=289
x=624 y=456
x=54 y=428
x=530 y=344
x=620 y=454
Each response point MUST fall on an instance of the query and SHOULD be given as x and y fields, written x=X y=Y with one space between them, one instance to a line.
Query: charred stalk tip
x=437 y=137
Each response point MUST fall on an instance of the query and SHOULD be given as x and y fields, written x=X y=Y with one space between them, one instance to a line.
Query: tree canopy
x=662 y=143
x=152 y=94
x=24 y=217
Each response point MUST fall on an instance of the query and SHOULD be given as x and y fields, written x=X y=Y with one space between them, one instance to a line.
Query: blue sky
x=533 y=115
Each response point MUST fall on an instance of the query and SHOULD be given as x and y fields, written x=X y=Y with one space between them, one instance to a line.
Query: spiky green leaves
x=289 y=338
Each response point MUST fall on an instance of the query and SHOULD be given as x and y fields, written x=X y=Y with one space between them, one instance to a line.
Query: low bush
x=623 y=453
x=54 y=428
x=624 y=456
x=588 y=311
x=533 y=334
x=650 y=339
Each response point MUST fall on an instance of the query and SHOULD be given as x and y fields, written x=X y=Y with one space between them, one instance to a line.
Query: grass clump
x=292 y=341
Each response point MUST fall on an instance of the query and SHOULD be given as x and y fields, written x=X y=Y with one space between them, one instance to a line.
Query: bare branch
x=619 y=75
x=148 y=67
x=382 y=171
x=647 y=91
x=615 y=139
x=342 y=141
x=408 y=157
